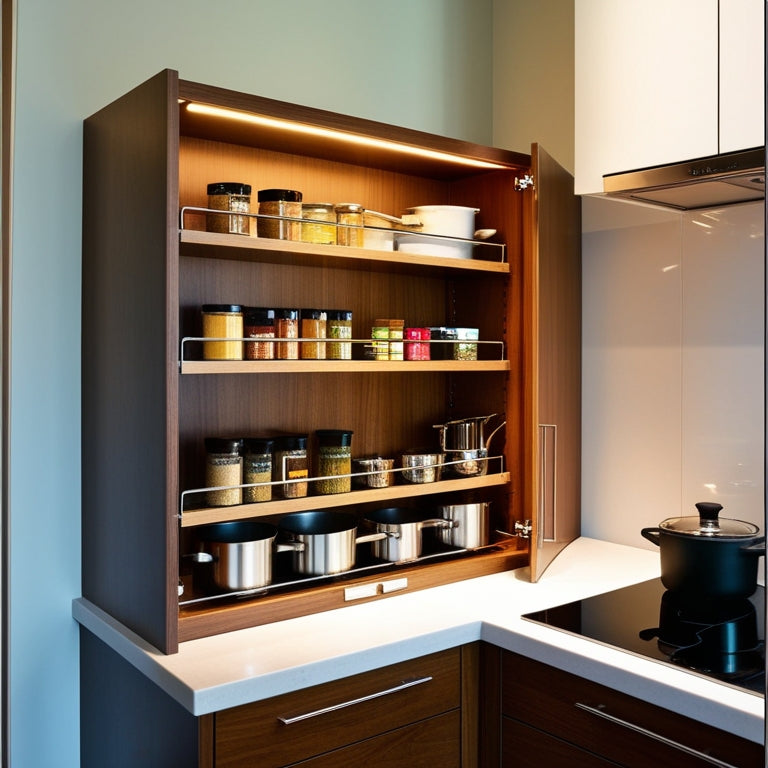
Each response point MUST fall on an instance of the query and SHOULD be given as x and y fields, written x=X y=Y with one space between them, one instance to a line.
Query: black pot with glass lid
x=708 y=557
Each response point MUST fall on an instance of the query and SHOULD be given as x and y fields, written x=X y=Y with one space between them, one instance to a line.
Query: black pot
x=704 y=557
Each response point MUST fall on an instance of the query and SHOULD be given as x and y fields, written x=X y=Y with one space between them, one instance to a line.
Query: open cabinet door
x=553 y=285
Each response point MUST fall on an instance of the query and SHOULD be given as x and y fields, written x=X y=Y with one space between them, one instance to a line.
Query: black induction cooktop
x=723 y=639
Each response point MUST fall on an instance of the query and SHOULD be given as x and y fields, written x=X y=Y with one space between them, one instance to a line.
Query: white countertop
x=227 y=670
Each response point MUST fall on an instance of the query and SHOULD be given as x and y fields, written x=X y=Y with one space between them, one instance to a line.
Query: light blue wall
x=425 y=64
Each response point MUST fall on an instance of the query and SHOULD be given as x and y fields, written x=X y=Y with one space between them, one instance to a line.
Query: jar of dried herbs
x=223 y=323
x=229 y=196
x=334 y=461
x=257 y=468
x=259 y=324
x=318 y=223
x=339 y=327
x=289 y=462
x=279 y=214
x=223 y=471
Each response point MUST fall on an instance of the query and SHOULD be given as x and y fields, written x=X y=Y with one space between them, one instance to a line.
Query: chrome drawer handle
x=655 y=736
x=401 y=687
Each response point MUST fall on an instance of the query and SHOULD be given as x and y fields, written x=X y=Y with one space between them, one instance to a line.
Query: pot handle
x=652 y=534
x=200 y=557
x=372 y=537
x=439 y=522
x=290 y=546
x=757 y=547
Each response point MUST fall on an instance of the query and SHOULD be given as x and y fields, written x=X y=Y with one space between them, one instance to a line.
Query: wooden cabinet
x=650 y=92
x=149 y=399
x=551 y=717
x=406 y=714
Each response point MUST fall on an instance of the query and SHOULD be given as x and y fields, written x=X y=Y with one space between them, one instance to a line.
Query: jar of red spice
x=287 y=327
x=259 y=324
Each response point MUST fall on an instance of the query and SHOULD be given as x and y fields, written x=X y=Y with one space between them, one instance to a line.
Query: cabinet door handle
x=325 y=710
x=599 y=711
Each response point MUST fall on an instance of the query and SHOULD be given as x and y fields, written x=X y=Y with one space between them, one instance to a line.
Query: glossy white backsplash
x=673 y=365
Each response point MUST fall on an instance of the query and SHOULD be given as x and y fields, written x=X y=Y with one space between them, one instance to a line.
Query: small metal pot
x=422 y=466
x=328 y=538
x=706 y=558
x=470 y=525
x=378 y=472
x=241 y=553
x=403 y=527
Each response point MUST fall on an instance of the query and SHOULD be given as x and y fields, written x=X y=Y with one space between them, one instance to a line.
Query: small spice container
x=416 y=345
x=287 y=327
x=350 y=231
x=339 y=327
x=223 y=467
x=319 y=223
x=313 y=326
x=257 y=468
x=379 y=348
x=396 y=339
x=289 y=462
x=259 y=324
x=229 y=196
x=463 y=350
x=222 y=322
x=442 y=351
x=334 y=461
x=284 y=203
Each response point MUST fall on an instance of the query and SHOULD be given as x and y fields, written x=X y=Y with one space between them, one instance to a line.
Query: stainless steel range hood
x=707 y=182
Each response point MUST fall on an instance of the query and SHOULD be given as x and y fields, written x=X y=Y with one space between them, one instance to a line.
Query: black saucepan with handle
x=708 y=557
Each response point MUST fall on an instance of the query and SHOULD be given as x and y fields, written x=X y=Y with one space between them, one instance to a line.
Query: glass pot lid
x=708 y=524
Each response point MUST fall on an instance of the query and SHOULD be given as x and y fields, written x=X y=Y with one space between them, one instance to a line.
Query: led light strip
x=351 y=138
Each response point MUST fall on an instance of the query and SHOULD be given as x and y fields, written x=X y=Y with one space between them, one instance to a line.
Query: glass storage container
x=339 y=327
x=318 y=223
x=229 y=196
x=283 y=203
x=257 y=468
x=223 y=469
x=334 y=461
x=290 y=462
x=350 y=231
x=222 y=322
x=259 y=324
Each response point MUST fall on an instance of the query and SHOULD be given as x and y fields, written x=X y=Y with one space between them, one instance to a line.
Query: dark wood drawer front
x=605 y=721
x=526 y=747
x=255 y=734
x=428 y=744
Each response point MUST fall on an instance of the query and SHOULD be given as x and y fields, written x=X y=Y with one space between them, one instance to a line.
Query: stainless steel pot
x=422 y=467
x=706 y=557
x=403 y=527
x=469 y=529
x=464 y=443
x=241 y=553
x=328 y=538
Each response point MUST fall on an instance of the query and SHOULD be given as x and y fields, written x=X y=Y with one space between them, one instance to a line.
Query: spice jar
x=284 y=203
x=318 y=223
x=334 y=461
x=223 y=469
x=339 y=327
x=396 y=339
x=287 y=327
x=313 y=326
x=415 y=346
x=290 y=463
x=462 y=350
x=257 y=468
x=259 y=323
x=379 y=349
x=350 y=231
x=222 y=322
x=229 y=196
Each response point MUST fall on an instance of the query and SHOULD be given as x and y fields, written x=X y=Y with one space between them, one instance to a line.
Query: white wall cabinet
x=658 y=82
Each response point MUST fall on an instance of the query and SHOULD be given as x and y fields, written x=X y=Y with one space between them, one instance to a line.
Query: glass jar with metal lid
x=257 y=469
x=318 y=223
x=334 y=461
x=350 y=228
x=229 y=196
x=290 y=462
x=285 y=206
x=339 y=326
x=223 y=324
x=223 y=471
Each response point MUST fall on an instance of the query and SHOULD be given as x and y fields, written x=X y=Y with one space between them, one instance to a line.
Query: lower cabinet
x=551 y=717
x=408 y=715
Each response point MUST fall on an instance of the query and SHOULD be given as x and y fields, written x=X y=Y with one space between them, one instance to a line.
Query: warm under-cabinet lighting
x=351 y=138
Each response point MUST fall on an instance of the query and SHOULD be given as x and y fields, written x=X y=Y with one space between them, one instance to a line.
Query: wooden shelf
x=213 y=245
x=207 y=515
x=341 y=366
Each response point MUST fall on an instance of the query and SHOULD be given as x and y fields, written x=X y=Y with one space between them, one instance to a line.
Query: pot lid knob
x=708 y=512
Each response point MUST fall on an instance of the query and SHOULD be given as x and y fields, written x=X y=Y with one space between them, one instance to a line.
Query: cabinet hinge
x=525 y=182
x=523 y=529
